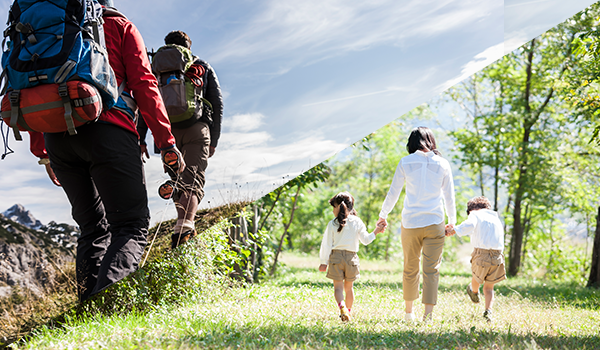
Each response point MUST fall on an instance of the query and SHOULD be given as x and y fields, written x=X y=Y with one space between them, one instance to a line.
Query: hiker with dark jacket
x=196 y=137
x=100 y=168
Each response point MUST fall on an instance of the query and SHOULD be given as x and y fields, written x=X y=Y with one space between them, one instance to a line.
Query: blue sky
x=303 y=80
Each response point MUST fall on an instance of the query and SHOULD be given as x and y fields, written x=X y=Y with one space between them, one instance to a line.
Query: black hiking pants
x=101 y=171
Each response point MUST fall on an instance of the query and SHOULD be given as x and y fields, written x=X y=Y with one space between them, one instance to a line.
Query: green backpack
x=181 y=84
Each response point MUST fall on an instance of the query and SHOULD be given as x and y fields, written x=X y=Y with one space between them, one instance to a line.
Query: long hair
x=421 y=138
x=346 y=203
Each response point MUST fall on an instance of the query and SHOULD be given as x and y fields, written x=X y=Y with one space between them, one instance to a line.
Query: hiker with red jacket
x=100 y=168
x=196 y=123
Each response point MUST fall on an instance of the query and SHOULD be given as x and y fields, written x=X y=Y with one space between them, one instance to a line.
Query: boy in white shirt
x=339 y=247
x=487 y=260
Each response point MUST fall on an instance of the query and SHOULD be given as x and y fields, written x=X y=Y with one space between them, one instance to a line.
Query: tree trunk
x=279 y=192
x=594 y=280
x=516 y=242
x=285 y=230
x=255 y=256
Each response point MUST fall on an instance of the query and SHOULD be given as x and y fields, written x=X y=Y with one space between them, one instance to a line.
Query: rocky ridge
x=31 y=254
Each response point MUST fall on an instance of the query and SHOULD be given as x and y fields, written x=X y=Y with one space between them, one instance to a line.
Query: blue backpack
x=59 y=42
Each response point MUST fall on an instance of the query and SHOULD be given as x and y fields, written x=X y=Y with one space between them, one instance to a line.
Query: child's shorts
x=488 y=265
x=343 y=265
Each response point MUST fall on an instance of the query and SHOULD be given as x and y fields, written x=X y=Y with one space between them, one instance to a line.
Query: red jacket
x=128 y=59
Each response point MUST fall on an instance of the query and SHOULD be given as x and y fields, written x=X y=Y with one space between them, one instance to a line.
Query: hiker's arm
x=51 y=174
x=214 y=96
x=37 y=146
x=144 y=87
x=142 y=130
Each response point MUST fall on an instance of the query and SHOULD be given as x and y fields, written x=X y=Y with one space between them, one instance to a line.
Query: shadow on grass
x=346 y=336
x=391 y=272
x=566 y=294
x=553 y=293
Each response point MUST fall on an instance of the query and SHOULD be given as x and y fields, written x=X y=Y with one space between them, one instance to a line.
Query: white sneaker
x=410 y=317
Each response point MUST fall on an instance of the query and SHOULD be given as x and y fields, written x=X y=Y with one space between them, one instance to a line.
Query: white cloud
x=479 y=62
x=243 y=122
x=389 y=89
x=526 y=3
x=313 y=29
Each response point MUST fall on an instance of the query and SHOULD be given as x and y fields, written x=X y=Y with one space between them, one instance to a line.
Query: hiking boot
x=179 y=239
x=344 y=314
x=487 y=314
x=474 y=296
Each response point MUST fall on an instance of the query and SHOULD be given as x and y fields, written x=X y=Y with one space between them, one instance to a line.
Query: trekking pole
x=155 y=234
x=171 y=160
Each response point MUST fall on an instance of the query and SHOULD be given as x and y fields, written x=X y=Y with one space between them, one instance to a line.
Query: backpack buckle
x=24 y=28
x=63 y=90
x=13 y=96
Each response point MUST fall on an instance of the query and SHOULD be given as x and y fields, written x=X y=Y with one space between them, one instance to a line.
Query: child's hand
x=381 y=226
x=450 y=230
x=323 y=267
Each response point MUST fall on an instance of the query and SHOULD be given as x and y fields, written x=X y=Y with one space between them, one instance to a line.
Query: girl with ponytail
x=339 y=247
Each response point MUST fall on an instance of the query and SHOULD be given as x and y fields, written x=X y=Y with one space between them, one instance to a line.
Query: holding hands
x=381 y=226
x=450 y=230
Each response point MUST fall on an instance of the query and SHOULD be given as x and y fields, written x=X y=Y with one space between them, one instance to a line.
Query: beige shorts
x=343 y=265
x=488 y=265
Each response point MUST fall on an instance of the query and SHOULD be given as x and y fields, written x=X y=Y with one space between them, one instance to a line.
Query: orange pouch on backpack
x=42 y=109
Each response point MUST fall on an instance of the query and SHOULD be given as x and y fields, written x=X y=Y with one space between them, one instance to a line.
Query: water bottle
x=171 y=77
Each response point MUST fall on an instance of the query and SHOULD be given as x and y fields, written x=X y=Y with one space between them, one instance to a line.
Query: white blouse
x=485 y=228
x=429 y=181
x=348 y=239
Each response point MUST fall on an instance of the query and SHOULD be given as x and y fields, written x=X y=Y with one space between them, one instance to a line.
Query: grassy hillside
x=297 y=310
x=169 y=277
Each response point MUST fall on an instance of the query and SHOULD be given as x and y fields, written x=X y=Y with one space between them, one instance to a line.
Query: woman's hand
x=323 y=267
x=450 y=230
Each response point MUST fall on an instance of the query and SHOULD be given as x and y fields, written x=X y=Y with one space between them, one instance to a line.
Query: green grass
x=297 y=310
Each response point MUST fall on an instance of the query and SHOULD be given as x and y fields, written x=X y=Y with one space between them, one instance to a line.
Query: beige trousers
x=193 y=143
x=429 y=241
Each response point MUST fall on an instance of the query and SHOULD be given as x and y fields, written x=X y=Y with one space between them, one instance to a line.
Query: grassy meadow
x=296 y=310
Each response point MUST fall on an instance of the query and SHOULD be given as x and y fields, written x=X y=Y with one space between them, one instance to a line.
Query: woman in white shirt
x=428 y=181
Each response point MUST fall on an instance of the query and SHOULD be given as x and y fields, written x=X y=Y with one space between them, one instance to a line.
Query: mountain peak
x=18 y=213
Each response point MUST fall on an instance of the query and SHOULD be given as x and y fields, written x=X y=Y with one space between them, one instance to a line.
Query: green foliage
x=526 y=147
x=171 y=278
